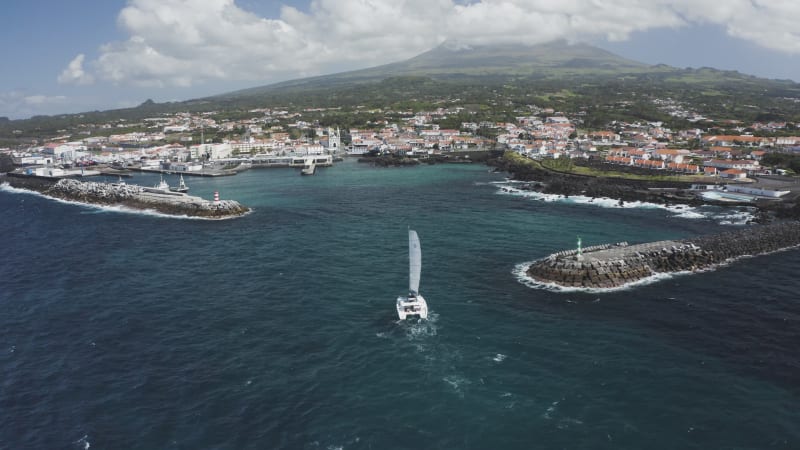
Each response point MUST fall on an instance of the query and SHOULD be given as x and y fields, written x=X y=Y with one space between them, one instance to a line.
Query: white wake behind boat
x=413 y=304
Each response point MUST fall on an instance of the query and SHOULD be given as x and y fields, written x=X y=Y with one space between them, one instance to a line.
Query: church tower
x=334 y=140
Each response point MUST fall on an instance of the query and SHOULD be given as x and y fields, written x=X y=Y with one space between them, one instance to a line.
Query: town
x=213 y=143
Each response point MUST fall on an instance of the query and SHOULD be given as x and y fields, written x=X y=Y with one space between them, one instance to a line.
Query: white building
x=212 y=151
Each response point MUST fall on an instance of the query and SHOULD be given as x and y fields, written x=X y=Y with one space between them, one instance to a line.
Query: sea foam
x=520 y=273
x=727 y=217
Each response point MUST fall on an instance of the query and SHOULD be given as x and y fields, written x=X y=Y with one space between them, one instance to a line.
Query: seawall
x=129 y=195
x=615 y=265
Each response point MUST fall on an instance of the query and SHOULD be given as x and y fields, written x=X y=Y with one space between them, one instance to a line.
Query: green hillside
x=497 y=81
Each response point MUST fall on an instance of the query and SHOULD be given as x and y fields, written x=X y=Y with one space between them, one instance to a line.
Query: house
x=737 y=140
x=741 y=164
x=684 y=168
x=734 y=174
x=649 y=164
x=787 y=141
x=670 y=155
x=604 y=136
x=621 y=160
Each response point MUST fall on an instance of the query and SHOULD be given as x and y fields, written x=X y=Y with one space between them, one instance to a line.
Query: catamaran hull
x=412 y=307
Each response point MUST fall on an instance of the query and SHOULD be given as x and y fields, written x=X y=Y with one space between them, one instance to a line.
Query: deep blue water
x=278 y=330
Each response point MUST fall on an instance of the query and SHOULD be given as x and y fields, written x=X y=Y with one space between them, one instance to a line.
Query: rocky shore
x=614 y=265
x=391 y=160
x=630 y=190
x=131 y=196
x=552 y=182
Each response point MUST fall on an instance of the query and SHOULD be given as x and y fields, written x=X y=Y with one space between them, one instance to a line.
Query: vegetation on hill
x=782 y=161
x=492 y=83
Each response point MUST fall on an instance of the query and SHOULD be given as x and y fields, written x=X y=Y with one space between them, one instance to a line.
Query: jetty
x=128 y=195
x=615 y=265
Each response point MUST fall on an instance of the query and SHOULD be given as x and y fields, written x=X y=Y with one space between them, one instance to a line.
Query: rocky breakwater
x=132 y=196
x=614 y=265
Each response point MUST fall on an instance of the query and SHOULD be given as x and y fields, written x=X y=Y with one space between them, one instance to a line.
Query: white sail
x=414 y=262
x=413 y=304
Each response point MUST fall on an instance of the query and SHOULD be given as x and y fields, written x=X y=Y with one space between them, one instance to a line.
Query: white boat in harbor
x=413 y=304
x=181 y=186
x=161 y=187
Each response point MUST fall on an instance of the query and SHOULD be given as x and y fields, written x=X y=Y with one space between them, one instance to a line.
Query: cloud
x=74 y=73
x=18 y=104
x=186 y=42
x=39 y=100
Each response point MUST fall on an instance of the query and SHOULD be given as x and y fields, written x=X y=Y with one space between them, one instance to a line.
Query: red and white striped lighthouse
x=216 y=197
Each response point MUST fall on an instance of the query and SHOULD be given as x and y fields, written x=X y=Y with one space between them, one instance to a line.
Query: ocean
x=278 y=330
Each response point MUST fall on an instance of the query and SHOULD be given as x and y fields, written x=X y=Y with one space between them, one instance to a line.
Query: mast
x=414 y=262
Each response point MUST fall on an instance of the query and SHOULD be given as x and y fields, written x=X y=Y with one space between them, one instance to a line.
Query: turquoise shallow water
x=278 y=329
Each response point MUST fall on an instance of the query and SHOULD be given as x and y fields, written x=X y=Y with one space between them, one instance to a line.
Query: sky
x=83 y=55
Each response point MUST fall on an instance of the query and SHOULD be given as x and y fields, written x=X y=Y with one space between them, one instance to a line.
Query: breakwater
x=614 y=265
x=128 y=195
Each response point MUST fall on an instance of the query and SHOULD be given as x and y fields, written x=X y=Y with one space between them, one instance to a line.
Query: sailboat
x=413 y=304
x=181 y=187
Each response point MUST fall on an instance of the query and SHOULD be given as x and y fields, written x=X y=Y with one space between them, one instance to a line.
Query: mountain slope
x=448 y=61
x=508 y=59
x=557 y=74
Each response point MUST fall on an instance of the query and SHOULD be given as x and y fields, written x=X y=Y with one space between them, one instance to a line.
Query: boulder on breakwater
x=614 y=265
x=128 y=195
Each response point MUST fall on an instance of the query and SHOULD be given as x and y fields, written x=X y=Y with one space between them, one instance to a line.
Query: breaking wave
x=739 y=216
x=520 y=273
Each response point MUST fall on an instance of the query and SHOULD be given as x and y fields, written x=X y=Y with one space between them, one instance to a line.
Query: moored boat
x=182 y=187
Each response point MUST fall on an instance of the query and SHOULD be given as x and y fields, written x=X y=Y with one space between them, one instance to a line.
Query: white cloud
x=39 y=100
x=18 y=104
x=185 y=42
x=74 y=73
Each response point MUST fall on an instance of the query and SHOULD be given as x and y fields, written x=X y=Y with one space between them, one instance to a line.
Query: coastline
x=538 y=179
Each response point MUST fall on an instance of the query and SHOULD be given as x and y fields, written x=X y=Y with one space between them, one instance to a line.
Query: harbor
x=231 y=166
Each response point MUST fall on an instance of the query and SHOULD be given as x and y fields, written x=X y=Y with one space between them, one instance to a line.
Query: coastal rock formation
x=615 y=265
x=131 y=196
x=652 y=190
x=568 y=184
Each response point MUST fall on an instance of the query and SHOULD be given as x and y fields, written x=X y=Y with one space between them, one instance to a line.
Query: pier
x=614 y=265
x=128 y=195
